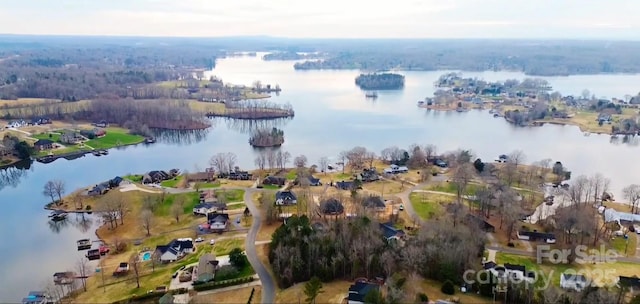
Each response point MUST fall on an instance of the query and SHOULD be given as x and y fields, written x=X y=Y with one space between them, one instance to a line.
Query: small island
x=266 y=138
x=380 y=81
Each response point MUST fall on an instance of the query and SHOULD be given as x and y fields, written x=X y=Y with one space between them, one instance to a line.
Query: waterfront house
x=206 y=176
x=156 y=176
x=218 y=222
x=375 y=203
x=43 y=144
x=285 y=198
x=312 y=181
x=95 y=132
x=359 y=290
x=63 y=278
x=70 y=137
x=99 y=189
x=331 y=206
x=115 y=182
x=574 y=282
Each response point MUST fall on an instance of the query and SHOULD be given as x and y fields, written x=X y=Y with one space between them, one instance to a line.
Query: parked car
x=212 y=241
x=198 y=240
x=401 y=207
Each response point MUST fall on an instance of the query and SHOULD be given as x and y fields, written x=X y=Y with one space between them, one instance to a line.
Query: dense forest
x=287 y=55
x=380 y=81
x=71 y=73
x=542 y=58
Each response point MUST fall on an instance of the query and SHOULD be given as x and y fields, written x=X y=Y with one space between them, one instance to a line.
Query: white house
x=175 y=250
x=285 y=198
x=573 y=281
x=218 y=221
x=206 y=208
x=394 y=169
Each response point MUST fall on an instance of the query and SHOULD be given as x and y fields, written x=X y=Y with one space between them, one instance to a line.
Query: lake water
x=332 y=115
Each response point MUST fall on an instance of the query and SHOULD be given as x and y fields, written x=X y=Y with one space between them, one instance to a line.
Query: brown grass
x=227 y=183
x=231 y=297
x=333 y=292
x=385 y=187
x=416 y=284
x=41 y=109
x=24 y=102
x=207 y=107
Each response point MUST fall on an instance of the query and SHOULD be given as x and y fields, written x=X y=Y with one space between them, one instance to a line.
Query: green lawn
x=451 y=188
x=52 y=136
x=233 y=195
x=246 y=271
x=172 y=183
x=67 y=149
x=425 y=208
x=620 y=243
x=271 y=187
x=343 y=176
x=190 y=200
x=224 y=247
x=136 y=178
x=291 y=175
x=115 y=137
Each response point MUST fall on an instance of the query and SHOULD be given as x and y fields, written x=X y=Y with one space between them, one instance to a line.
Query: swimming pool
x=146 y=256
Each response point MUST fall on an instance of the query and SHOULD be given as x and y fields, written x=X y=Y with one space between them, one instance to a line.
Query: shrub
x=237 y=258
x=121 y=246
x=226 y=272
x=221 y=284
x=448 y=288
x=422 y=298
x=88 y=208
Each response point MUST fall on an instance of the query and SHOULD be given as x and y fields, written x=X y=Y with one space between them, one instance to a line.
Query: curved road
x=268 y=285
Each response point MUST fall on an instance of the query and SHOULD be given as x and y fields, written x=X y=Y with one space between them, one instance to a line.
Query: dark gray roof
x=43 y=142
x=359 y=290
x=389 y=231
x=331 y=206
x=373 y=202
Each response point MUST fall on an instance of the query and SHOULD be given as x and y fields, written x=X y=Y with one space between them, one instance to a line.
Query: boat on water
x=420 y=102
x=104 y=152
x=84 y=244
x=149 y=140
x=96 y=153
x=58 y=215
x=371 y=95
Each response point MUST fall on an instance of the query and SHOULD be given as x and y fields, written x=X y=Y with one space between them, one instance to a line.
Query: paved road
x=268 y=284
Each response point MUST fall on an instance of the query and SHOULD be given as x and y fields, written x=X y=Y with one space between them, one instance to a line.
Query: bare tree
x=50 y=190
x=177 y=209
x=324 y=163
x=83 y=271
x=517 y=157
x=119 y=207
x=300 y=161
x=59 y=188
x=461 y=178
x=134 y=261
x=430 y=151
x=357 y=157
x=272 y=159
x=632 y=194
x=147 y=220
x=417 y=159
x=510 y=172
x=260 y=160
x=286 y=158
x=343 y=158
x=600 y=186
x=223 y=162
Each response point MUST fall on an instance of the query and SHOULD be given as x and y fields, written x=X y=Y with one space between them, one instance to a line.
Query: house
x=64 y=278
x=101 y=124
x=374 y=202
x=95 y=132
x=43 y=144
x=37 y=297
x=175 y=250
x=391 y=233
x=207 y=176
x=368 y=175
x=515 y=273
x=534 y=236
x=206 y=208
x=331 y=206
x=218 y=222
x=99 y=189
x=395 y=169
x=115 y=182
x=573 y=281
x=478 y=222
x=312 y=181
x=632 y=283
x=154 y=177
x=207 y=266
x=348 y=185
x=40 y=121
x=238 y=175
x=359 y=290
x=285 y=198
x=70 y=137
x=274 y=180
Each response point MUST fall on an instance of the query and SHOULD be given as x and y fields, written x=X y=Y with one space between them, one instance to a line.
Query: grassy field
x=620 y=244
x=451 y=188
x=207 y=185
x=115 y=137
x=333 y=292
x=230 y=297
x=136 y=178
x=231 y=195
x=431 y=288
x=24 y=102
x=174 y=182
x=236 y=206
x=40 y=109
x=189 y=200
x=429 y=205
x=385 y=187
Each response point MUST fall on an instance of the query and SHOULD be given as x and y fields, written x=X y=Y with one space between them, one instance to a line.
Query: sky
x=554 y=19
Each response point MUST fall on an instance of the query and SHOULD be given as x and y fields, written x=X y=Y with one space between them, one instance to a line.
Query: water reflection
x=10 y=176
x=180 y=137
x=248 y=126
x=57 y=226
x=83 y=222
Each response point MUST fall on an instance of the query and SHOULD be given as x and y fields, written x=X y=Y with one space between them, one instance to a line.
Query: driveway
x=268 y=285
x=175 y=282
